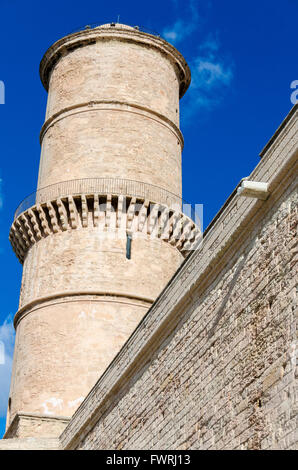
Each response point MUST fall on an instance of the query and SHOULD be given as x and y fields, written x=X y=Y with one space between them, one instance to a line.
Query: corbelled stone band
x=115 y=215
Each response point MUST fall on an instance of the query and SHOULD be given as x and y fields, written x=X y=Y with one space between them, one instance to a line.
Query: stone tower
x=104 y=231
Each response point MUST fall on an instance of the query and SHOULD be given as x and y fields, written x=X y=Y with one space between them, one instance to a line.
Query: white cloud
x=7 y=336
x=212 y=74
x=209 y=71
x=181 y=29
x=178 y=31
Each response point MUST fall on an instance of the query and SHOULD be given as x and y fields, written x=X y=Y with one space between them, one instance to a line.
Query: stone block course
x=220 y=343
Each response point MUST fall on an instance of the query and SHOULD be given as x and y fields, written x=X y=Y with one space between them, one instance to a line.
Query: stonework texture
x=210 y=361
x=25 y=425
x=110 y=148
x=114 y=105
x=213 y=364
x=30 y=443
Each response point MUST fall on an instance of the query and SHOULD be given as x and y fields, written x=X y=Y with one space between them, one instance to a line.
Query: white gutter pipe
x=254 y=189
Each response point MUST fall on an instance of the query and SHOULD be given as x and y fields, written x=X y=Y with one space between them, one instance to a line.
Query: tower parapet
x=105 y=230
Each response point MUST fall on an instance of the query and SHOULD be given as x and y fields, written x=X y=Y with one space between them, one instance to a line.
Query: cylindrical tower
x=104 y=232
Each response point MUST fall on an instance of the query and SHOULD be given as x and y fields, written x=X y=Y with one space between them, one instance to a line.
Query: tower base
x=30 y=443
x=25 y=426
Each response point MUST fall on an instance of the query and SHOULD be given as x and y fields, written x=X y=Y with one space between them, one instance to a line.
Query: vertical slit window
x=128 y=246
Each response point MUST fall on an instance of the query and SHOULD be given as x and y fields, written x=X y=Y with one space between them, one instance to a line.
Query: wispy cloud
x=212 y=74
x=7 y=336
x=183 y=28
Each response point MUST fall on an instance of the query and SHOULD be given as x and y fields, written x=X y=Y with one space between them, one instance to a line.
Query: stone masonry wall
x=22 y=425
x=94 y=261
x=225 y=376
x=213 y=364
x=30 y=444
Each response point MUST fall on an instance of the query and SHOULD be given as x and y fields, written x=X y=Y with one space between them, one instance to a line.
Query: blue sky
x=243 y=58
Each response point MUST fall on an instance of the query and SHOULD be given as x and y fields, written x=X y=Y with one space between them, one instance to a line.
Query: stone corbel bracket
x=103 y=212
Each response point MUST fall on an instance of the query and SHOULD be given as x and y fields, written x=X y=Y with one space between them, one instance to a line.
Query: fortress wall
x=111 y=68
x=212 y=365
x=113 y=108
x=100 y=238
x=109 y=141
x=30 y=444
x=100 y=266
